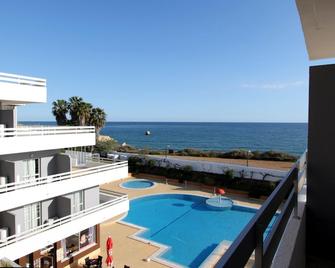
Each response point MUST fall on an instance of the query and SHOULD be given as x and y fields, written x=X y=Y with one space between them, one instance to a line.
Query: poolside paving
x=128 y=251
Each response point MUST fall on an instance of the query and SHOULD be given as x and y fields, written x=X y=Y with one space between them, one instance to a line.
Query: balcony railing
x=250 y=240
x=22 y=80
x=106 y=166
x=116 y=198
x=43 y=131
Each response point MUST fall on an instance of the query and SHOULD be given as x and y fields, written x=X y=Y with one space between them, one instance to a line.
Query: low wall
x=217 y=168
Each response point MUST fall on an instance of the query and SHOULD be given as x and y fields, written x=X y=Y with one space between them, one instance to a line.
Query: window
x=32 y=216
x=72 y=244
x=31 y=169
x=78 y=242
x=87 y=237
x=77 y=201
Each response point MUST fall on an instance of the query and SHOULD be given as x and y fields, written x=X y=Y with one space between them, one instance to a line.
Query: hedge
x=255 y=188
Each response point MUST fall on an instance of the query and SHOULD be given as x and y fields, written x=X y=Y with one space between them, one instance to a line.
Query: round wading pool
x=137 y=184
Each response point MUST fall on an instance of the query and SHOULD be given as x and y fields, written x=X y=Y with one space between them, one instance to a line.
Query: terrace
x=30 y=139
x=94 y=172
x=111 y=205
x=18 y=89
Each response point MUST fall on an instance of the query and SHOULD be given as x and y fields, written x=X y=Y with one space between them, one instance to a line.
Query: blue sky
x=162 y=60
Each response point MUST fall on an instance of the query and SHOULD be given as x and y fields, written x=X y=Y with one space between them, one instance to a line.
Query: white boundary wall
x=217 y=168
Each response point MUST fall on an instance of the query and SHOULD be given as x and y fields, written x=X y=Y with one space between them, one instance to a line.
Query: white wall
x=40 y=240
x=49 y=190
x=17 y=93
x=219 y=168
x=12 y=145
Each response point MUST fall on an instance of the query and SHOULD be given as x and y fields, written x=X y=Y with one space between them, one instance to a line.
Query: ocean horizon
x=221 y=136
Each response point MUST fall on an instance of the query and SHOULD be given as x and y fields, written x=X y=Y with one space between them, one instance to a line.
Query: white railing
x=116 y=198
x=22 y=80
x=13 y=186
x=302 y=170
x=45 y=130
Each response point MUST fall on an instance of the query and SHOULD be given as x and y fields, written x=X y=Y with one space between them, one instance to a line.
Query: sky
x=162 y=60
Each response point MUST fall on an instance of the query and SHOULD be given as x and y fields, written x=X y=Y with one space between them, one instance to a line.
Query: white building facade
x=50 y=203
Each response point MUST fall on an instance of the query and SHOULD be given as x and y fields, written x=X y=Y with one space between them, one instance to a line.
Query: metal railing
x=116 y=199
x=251 y=239
x=13 y=186
x=43 y=131
x=22 y=80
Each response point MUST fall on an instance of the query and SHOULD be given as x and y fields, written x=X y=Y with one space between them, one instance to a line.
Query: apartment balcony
x=111 y=204
x=30 y=139
x=94 y=173
x=18 y=89
x=284 y=246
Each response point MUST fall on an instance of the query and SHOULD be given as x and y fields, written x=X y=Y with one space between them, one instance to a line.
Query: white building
x=50 y=203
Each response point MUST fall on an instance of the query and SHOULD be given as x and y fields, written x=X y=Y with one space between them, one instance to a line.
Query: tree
x=84 y=113
x=74 y=103
x=60 y=110
x=97 y=119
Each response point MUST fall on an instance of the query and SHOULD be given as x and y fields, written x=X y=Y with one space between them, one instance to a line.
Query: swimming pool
x=185 y=224
x=137 y=184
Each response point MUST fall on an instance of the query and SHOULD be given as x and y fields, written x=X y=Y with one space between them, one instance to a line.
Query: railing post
x=259 y=247
x=296 y=190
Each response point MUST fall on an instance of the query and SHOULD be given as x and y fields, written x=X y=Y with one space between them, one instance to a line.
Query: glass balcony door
x=77 y=202
x=31 y=169
x=32 y=215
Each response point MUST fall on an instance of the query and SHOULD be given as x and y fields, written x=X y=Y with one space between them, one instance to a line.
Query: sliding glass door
x=77 y=201
x=32 y=215
x=31 y=169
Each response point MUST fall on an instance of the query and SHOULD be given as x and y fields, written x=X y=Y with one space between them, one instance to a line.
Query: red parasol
x=220 y=191
x=109 y=261
x=109 y=246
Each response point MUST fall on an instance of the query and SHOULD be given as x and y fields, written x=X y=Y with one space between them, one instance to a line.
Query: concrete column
x=321 y=162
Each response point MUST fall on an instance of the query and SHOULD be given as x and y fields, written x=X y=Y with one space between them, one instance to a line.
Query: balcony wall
x=111 y=205
x=292 y=249
x=21 y=193
x=32 y=139
x=18 y=89
x=51 y=209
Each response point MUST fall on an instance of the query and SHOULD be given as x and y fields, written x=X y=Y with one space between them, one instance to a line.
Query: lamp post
x=167 y=151
x=248 y=153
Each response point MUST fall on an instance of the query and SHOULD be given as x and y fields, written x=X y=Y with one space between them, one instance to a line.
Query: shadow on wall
x=60 y=163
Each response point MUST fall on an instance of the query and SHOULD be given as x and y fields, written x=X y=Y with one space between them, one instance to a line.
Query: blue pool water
x=184 y=223
x=137 y=184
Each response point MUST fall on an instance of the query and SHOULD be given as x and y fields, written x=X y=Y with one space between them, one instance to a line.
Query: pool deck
x=131 y=252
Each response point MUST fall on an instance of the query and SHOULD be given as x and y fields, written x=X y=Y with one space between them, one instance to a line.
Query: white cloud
x=278 y=85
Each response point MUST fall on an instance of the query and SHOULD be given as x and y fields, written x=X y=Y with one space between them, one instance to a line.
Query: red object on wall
x=220 y=191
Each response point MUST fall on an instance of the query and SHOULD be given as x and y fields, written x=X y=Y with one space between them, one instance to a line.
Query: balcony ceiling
x=318 y=23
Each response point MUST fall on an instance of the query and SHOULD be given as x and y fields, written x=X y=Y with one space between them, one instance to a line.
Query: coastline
x=279 y=165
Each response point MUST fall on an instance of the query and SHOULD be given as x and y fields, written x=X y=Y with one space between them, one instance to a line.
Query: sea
x=285 y=137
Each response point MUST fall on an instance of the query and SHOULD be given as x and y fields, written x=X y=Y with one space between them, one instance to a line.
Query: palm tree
x=84 y=113
x=73 y=106
x=98 y=119
x=59 y=110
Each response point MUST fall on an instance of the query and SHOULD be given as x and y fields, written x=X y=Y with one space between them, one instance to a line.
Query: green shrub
x=209 y=180
x=151 y=163
x=104 y=147
x=276 y=156
x=254 y=188
x=229 y=174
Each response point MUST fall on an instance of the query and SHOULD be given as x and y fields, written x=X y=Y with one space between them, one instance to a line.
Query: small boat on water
x=147 y=133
